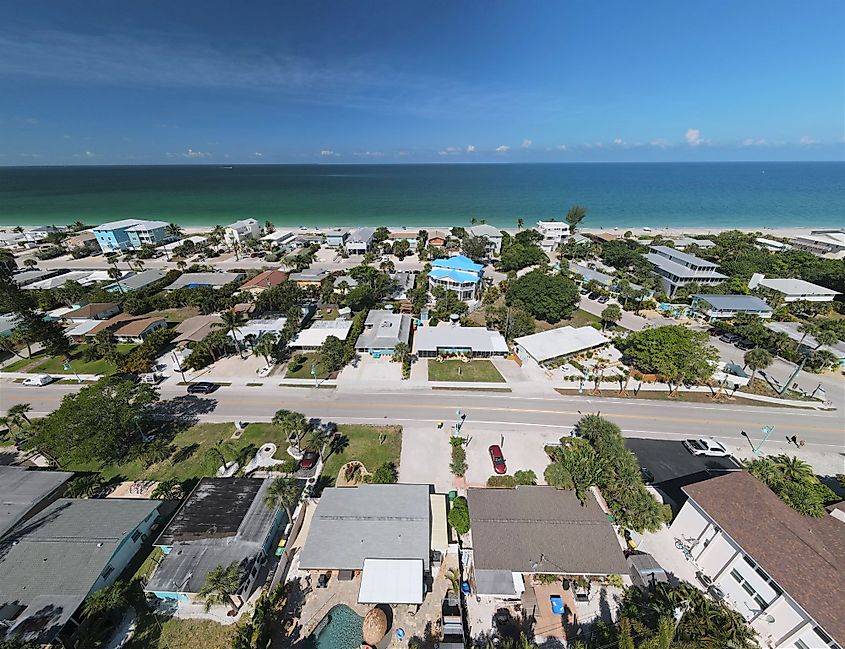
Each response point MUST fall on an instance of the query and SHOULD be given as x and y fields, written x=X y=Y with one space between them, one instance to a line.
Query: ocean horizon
x=682 y=194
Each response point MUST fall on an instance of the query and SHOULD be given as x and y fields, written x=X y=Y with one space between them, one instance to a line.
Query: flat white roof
x=148 y=225
x=796 y=287
x=83 y=327
x=317 y=333
x=478 y=339
x=118 y=225
x=391 y=581
x=278 y=235
x=175 y=244
x=560 y=342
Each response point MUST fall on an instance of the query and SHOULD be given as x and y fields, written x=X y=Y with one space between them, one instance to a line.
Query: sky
x=208 y=81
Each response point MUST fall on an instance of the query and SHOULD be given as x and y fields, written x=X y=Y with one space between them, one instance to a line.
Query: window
x=737 y=577
x=748 y=588
x=135 y=536
x=107 y=571
x=800 y=644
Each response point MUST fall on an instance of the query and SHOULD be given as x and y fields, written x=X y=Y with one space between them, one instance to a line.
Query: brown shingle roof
x=513 y=528
x=804 y=555
x=111 y=323
x=196 y=328
x=90 y=310
x=137 y=327
x=267 y=279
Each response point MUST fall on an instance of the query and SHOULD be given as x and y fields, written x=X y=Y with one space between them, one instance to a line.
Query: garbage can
x=452 y=495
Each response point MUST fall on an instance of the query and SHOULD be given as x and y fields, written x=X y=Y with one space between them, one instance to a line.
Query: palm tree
x=173 y=230
x=283 y=492
x=215 y=456
x=181 y=265
x=401 y=352
x=519 y=223
x=825 y=337
x=574 y=216
x=319 y=437
x=794 y=469
x=293 y=424
x=807 y=329
x=266 y=347
x=84 y=486
x=220 y=584
x=231 y=323
x=30 y=263
x=156 y=451
x=757 y=359
x=269 y=227
x=167 y=490
x=18 y=411
x=115 y=274
x=7 y=259
x=106 y=601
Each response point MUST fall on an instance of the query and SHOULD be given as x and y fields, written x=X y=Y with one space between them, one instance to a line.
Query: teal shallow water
x=342 y=628
x=785 y=194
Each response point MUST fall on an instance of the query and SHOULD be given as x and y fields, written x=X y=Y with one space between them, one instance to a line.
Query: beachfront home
x=56 y=558
x=493 y=236
x=793 y=290
x=211 y=280
x=454 y=340
x=240 y=231
x=404 y=235
x=385 y=533
x=84 y=277
x=24 y=278
x=127 y=234
x=336 y=237
x=86 y=240
x=147 y=233
x=222 y=521
x=383 y=330
x=554 y=234
x=771 y=245
x=675 y=269
x=782 y=571
x=281 y=240
x=552 y=346
x=716 y=307
x=253 y=330
x=313 y=337
x=531 y=530
x=822 y=243
x=458 y=274
x=437 y=238
x=359 y=241
x=136 y=281
x=263 y=281
x=608 y=282
x=681 y=243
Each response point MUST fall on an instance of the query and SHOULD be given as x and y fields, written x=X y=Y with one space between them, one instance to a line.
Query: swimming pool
x=341 y=628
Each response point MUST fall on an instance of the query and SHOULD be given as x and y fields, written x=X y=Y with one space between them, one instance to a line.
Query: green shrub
x=458 y=466
x=546 y=579
x=525 y=477
x=386 y=474
x=459 y=515
x=503 y=481
x=557 y=475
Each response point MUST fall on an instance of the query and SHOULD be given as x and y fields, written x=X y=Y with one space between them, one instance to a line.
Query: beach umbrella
x=375 y=626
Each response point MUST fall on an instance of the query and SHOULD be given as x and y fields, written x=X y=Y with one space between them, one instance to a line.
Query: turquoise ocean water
x=750 y=195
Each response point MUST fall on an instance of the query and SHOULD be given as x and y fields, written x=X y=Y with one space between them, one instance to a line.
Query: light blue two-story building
x=129 y=234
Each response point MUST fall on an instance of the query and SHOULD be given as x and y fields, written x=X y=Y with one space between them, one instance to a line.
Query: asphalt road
x=823 y=431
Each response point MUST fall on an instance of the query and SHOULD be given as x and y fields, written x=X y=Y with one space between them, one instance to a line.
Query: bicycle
x=686 y=545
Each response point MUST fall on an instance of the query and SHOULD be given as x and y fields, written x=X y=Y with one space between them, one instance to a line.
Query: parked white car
x=704 y=446
x=39 y=380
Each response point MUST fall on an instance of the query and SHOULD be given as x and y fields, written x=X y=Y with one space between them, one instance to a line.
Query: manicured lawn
x=328 y=314
x=180 y=634
x=301 y=369
x=579 y=318
x=20 y=364
x=479 y=370
x=55 y=364
x=364 y=446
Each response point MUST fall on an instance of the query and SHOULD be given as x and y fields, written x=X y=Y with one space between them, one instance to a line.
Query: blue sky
x=154 y=82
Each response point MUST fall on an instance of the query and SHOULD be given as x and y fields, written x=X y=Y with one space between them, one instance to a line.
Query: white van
x=39 y=380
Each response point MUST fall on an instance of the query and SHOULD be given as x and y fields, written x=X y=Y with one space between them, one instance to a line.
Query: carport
x=672 y=466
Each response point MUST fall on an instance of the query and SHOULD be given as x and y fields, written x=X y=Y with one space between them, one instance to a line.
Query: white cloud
x=693 y=137
x=618 y=141
x=30 y=120
x=807 y=141
x=190 y=153
x=503 y=149
x=526 y=143
x=368 y=154
x=470 y=148
x=328 y=153
x=66 y=137
x=562 y=147
x=750 y=141
x=30 y=155
x=258 y=154
x=86 y=154
x=660 y=143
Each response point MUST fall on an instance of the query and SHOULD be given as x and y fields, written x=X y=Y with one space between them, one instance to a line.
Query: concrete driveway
x=523 y=450
x=425 y=456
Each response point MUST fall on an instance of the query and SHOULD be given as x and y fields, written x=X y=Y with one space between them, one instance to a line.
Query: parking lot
x=521 y=451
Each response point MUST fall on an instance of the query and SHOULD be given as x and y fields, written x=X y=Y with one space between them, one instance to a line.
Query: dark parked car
x=603 y=299
x=584 y=291
x=648 y=476
x=745 y=344
x=499 y=465
x=594 y=296
x=202 y=387
x=729 y=338
x=714 y=332
x=308 y=460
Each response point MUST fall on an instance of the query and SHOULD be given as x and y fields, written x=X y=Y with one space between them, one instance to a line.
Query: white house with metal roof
x=793 y=290
x=383 y=330
x=454 y=340
x=547 y=346
x=458 y=274
x=239 y=231
x=359 y=241
x=675 y=269
x=715 y=307
x=493 y=236
x=314 y=337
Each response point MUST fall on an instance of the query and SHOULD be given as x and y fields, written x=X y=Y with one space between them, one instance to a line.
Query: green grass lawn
x=579 y=318
x=21 y=363
x=55 y=364
x=180 y=634
x=188 y=460
x=326 y=314
x=479 y=370
x=302 y=370
x=363 y=446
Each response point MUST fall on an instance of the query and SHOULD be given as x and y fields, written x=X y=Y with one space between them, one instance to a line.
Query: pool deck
x=422 y=626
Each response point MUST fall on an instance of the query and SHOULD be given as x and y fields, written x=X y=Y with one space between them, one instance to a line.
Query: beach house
x=554 y=234
x=822 y=243
x=793 y=290
x=147 y=233
x=458 y=274
x=454 y=340
x=493 y=236
x=383 y=330
x=336 y=237
x=675 y=269
x=548 y=347
x=359 y=241
x=210 y=280
x=239 y=231
x=716 y=307
x=114 y=235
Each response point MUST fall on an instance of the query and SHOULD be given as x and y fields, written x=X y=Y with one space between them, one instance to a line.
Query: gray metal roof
x=370 y=521
x=361 y=235
x=735 y=302
x=27 y=277
x=680 y=270
x=384 y=329
x=485 y=230
x=684 y=257
x=204 y=279
x=542 y=529
x=50 y=562
x=494 y=582
x=21 y=490
x=138 y=280
x=794 y=286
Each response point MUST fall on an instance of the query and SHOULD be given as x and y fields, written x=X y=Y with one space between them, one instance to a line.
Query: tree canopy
x=546 y=297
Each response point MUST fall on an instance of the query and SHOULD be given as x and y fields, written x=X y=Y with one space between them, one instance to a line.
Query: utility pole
x=69 y=367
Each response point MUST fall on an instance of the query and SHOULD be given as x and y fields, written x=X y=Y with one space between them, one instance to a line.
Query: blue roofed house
x=458 y=274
